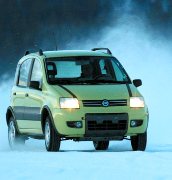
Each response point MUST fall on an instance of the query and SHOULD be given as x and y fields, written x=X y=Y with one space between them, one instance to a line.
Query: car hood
x=95 y=92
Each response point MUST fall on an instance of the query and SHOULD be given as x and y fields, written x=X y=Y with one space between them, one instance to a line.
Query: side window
x=120 y=75
x=16 y=75
x=24 y=72
x=37 y=72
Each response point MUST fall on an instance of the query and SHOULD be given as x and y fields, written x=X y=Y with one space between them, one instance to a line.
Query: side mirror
x=137 y=82
x=34 y=85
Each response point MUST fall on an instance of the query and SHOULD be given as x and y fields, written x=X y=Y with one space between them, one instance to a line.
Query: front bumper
x=99 y=116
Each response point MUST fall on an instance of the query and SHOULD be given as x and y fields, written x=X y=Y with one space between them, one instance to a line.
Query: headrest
x=51 y=68
x=87 y=70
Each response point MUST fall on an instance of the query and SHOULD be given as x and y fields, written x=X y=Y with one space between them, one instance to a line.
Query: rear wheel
x=101 y=145
x=14 y=138
x=52 y=140
x=138 y=142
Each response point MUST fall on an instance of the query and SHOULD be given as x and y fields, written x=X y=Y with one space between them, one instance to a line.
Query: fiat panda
x=75 y=95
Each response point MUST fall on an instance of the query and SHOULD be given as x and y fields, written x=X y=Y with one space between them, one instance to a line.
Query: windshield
x=85 y=70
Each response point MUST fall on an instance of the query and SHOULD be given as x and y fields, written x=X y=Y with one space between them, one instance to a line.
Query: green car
x=75 y=95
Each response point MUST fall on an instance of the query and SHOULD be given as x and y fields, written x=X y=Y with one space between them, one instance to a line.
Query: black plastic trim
x=10 y=109
x=138 y=123
x=72 y=124
x=32 y=113
x=19 y=112
x=51 y=118
x=98 y=103
x=26 y=53
x=27 y=113
x=96 y=49
x=39 y=51
x=110 y=138
x=36 y=136
x=129 y=90
x=67 y=91
x=137 y=82
x=100 y=118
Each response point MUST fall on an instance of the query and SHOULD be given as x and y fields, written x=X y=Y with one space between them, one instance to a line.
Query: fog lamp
x=79 y=124
x=74 y=124
x=136 y=123
x=133 y=123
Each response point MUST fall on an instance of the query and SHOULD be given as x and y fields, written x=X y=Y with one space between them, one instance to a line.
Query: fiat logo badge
x=105 y=103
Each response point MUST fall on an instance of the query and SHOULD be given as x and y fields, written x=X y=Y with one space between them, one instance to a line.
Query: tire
x=138 y=142
x=101 y=145
x=52 y=140
x=14 y=138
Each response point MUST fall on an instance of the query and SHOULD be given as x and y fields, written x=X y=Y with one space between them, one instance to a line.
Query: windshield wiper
x=99 y=81
x=66 y=82
x=111 y=81
x=61 y=82
x=87 y=81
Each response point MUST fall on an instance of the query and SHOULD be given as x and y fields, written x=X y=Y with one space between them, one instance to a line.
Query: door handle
x=26 y=95
x=14 y=93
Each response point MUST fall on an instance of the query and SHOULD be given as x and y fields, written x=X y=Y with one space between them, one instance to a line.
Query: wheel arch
x=9 y=113
x=47 y=112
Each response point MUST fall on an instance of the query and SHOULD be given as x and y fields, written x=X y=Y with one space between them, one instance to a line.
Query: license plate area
x=105 y=124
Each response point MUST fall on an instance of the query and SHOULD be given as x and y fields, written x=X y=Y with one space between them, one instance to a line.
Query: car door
x=34 y=101
x=19 y=91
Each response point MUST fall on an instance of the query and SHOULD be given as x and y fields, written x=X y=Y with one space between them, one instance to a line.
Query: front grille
x=107 y=125
x=98 y=103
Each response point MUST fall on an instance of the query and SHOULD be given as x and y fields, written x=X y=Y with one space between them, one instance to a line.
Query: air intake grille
x=107 y=125
x=99 y=103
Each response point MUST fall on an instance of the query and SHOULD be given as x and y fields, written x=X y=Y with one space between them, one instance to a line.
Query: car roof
x=64 y=53
x=68 y=53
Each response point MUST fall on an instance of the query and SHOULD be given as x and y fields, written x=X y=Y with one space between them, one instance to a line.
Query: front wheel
x=101 y=145
x=138 y=142
x=14 y=138
x=52 y=140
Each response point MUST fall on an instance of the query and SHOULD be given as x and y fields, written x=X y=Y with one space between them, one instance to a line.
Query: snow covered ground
x=143 y=57
x=80 y=161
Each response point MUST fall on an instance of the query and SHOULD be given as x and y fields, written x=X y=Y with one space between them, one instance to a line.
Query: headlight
x=137 y=102
x=67 y=103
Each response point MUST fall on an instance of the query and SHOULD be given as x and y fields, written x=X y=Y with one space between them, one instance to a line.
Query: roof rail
x=28 y=52
x=96 y=49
